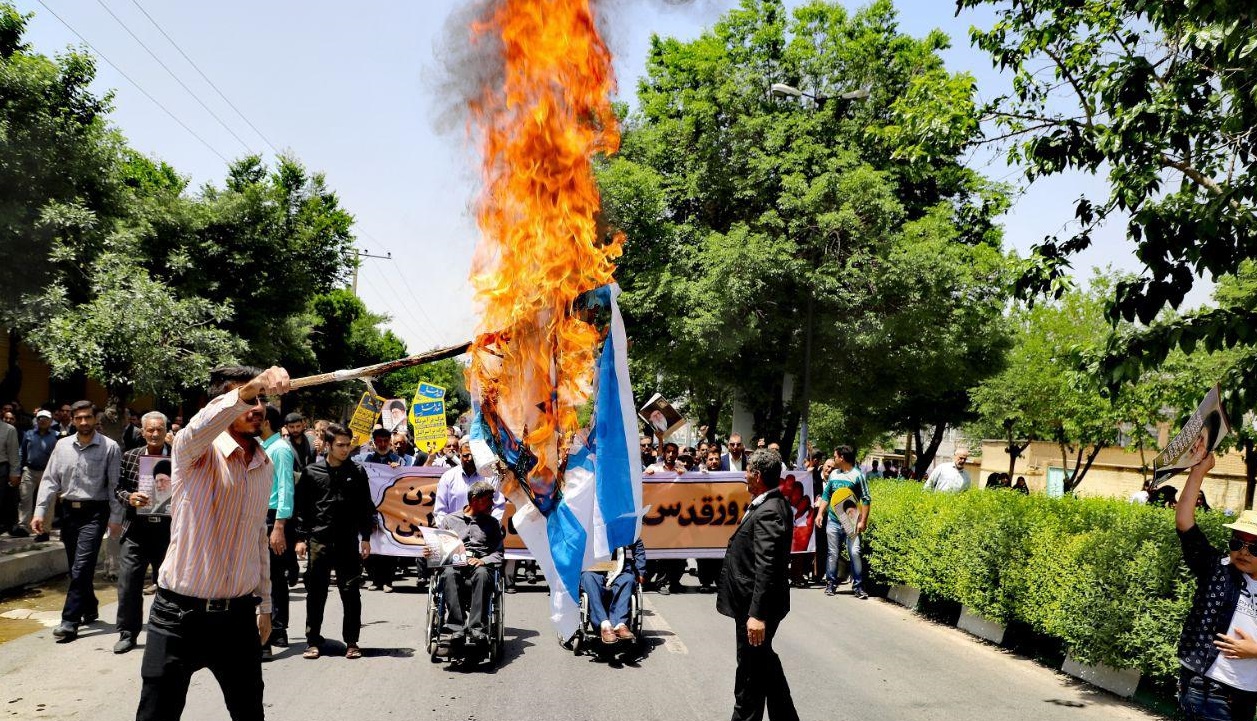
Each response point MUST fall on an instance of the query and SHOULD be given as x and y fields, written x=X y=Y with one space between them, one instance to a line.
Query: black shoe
x=279 y=639
x=125 y=643
x=664 y=590
x=19 y=532
x=860 y=594
x=66 y=632
x=91 y=617
x=41 y=538
x=266 y=652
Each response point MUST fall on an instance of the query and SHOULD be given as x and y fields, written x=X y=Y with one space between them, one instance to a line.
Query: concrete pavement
x=845 y=659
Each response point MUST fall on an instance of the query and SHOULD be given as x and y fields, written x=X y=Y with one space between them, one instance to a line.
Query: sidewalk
x=23 y=561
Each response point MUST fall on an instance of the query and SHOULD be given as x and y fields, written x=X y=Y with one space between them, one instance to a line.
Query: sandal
x=311 y=652
x=352 y=652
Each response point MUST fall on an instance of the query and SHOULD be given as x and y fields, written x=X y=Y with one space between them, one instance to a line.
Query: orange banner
x=688 y=516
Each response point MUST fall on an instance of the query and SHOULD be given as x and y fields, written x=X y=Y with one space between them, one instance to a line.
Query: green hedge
x=1103 y=575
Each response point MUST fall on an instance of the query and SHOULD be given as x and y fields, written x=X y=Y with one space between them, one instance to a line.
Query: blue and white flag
x=601 y=506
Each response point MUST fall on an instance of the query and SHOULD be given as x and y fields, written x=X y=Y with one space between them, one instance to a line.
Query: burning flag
x=540 y=257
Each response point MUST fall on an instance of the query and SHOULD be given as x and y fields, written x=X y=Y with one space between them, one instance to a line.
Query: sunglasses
x=1236 y=544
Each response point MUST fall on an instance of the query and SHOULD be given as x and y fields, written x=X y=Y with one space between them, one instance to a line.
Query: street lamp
x=789 y=91
x=783 y=90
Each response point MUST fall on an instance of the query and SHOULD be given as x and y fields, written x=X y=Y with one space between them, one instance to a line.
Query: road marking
x=657 y=622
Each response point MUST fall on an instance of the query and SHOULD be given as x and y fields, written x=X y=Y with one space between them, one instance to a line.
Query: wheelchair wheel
x=635 y=613
x=580 y=643
x=433 y=633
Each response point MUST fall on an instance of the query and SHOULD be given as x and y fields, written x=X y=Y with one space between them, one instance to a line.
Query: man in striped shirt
x=213 y=604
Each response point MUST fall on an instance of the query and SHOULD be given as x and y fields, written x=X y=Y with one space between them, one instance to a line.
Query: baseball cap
x=43 y=414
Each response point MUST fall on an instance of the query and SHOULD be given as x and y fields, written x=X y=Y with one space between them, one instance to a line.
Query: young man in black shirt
x=334 y=516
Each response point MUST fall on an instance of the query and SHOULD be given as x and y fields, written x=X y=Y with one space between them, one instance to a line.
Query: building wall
x=1116 y=472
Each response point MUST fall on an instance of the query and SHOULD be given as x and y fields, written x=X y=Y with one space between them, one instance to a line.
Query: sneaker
x=664 y=590
x=830 y=591
x=125 y=643
x=860 y=594
x=388 y=588
x=65 y=632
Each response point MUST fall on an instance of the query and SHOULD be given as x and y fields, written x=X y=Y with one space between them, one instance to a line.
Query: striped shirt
x=218 y=545
x=79 y=472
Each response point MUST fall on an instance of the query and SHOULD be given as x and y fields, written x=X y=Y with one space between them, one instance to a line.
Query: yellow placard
x=364 y=417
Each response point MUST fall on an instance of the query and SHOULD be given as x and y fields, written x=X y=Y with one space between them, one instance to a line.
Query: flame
x=533 y=358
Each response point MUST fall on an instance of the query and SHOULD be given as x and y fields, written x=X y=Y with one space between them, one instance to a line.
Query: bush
x=1102 y=575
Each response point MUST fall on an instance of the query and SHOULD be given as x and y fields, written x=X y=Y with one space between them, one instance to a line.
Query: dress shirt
x=10 y=441
x=947 y=479
x=78 y=472
x=218 y=544
x=451 y=494
x=36 y=448
x=284 y=458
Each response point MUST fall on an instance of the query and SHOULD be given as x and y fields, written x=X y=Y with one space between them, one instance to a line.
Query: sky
x=354 y=92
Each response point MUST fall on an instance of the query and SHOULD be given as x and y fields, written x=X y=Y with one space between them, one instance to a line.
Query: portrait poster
x=660 y=416
x=1208 y=423
x=154 y=482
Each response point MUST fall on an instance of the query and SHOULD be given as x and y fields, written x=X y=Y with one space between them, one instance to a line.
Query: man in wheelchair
x=610 y=592
x=482 y=537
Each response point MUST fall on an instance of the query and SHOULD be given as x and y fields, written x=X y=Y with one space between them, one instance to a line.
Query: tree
x=1158 y=97
x=132 y=334
x=754 y=225
x=55 y=150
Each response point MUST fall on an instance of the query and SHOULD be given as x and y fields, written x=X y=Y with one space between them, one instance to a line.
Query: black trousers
x=760 y=680
x=182 y=640
x=81 y=533
x=343 y=556
x=9 y=496
x=279 y=576
x=143 y=547
x=382 y=570
x=478 y=582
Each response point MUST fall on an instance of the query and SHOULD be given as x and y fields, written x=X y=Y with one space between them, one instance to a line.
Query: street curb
x=33 y=566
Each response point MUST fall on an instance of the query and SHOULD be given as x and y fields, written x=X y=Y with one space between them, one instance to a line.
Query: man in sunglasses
x=1218 y=647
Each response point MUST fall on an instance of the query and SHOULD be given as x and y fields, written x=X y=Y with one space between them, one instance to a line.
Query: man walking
x=145 y=536
x=10 y=478
x=213 y=603
x=278 y=515
x=33 y=453
x=846 y=496
x=335 y=516
x=754 y=590
x=83 y=471
x=950 y=477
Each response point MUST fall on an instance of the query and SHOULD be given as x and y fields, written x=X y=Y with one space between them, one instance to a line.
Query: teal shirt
x=853 y=479
x=284 y=458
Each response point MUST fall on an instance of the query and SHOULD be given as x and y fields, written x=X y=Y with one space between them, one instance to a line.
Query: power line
x=138 y=87
x=204 y=76
x=171 y=73
x=402 y=275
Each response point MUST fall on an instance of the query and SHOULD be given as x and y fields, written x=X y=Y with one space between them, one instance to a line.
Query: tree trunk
x=907 y=454
x=1080 y=468
x=1250 y=473
x=11 y=386
x=927 y=454
x=788 y=434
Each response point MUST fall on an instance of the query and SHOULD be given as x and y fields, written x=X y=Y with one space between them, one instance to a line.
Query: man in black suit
x=754 y=590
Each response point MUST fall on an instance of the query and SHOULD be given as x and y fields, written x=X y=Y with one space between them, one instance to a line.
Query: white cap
x=43 y=414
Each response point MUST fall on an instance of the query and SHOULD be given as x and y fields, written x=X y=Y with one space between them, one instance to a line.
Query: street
x=845 y=658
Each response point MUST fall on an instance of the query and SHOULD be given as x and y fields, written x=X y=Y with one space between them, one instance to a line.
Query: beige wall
x=1116 y=472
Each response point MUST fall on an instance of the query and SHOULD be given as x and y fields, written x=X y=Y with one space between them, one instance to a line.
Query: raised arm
x=195 y=439
x=1185 y=509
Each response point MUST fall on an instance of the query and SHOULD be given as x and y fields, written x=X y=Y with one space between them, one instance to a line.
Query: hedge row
x=1104 y=576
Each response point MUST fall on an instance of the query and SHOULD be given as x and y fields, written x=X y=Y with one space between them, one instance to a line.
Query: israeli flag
x=601 y=506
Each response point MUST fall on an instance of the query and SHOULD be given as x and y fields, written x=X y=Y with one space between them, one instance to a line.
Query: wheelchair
x=588 y=639
x=442 y=646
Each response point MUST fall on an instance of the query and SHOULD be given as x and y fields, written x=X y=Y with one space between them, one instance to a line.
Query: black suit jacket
x=755 y=576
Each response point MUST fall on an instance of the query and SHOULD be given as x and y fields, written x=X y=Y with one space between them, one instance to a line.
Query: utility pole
x=365 y=254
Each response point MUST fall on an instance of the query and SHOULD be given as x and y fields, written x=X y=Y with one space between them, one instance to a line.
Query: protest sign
x=1208 y=422
x=154 y=481
x=394 y=415
x=427 y=417
x=364 y=416
x=660 y=416
x=688 y=516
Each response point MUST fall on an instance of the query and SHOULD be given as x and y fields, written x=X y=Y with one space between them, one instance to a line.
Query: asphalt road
x=846 y=659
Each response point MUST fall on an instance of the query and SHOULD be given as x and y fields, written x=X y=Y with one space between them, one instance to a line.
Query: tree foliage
x=1157 y=96
x=750 y=218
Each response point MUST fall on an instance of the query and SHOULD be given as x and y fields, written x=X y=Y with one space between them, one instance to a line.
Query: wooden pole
x=381 y=368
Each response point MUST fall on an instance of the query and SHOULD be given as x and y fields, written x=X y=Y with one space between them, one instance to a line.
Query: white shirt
x=947 y=478
x=1240 y=673
x=451 y=494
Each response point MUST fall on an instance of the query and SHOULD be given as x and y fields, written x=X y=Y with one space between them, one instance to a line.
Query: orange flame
x=532 y=361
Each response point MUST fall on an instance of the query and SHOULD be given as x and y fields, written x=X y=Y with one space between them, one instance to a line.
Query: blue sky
x=353 y=91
